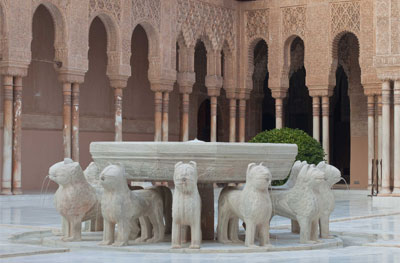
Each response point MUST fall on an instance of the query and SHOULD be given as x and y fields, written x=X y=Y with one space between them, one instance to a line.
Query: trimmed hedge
x=308 y=148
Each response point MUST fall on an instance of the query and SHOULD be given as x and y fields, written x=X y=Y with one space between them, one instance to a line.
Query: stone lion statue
x=124 y=207
x=326 y=197
x=75 y=199
x=294 y=172
x=186 y=205
x=252 y=205
x=300 y=203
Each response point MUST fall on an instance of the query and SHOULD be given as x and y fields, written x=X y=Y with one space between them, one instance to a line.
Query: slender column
x=242 y=120
x=396 y=159
x=17 y=183
x=158 y=116
x=118 y=95
x=232 y=120
x=379 y=141
x=325 y=126
x=75 y=122
x=279 y=113
x=165 y=108
x=213 y=135
x=185 y=117
x=67 y=119
x=7 y=134
x=371 y=138
x=316 y=117
x=385 y=137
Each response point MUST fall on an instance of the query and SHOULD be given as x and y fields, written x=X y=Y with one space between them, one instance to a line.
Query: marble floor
x=369 y=228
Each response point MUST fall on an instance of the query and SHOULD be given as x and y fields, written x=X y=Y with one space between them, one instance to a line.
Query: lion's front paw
x=120 y=244
x=105 y=243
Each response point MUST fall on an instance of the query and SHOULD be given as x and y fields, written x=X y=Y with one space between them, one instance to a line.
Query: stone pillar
x=157 y=116
x=165 y=120
x=371 y=138
x=118 y=95
x=279 y=113
x=213 y=133
x=185 y=117
x=316 y=117
x=232 y=120
x=396 y=159
x=242 y=120
x=17 y=136
x=75 y=122
x=379 y=108
x=385 y=137
x=7 y=135
x=325 y=126
x=67 y=94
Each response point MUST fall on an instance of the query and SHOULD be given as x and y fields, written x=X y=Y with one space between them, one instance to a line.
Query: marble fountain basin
x=216 y=162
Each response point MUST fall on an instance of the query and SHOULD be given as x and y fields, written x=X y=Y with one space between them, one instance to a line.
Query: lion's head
x=258 y=177
x=331 y=173
x=113 y=178
x=310 y=177
x=66 y=172
x=185 y=177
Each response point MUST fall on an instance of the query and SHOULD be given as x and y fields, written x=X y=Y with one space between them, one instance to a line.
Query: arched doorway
x=261 y=106
x=96 y=95
x=298 y=104
x=42 y=105
x=138 y=102
x=349 y=120
x=340 y=124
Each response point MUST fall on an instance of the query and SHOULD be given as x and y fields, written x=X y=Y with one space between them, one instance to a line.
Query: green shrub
x=308 y=148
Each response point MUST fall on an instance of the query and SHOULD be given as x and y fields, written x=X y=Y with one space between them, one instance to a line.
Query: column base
x=6 y=191
x=385 y=192
x=396 y=191
x=17 y=192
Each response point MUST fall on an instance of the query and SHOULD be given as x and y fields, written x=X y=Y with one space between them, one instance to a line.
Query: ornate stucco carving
x=112 y=7
x=294 y=21
x=147 y=10
x=196 y=18
x=345 y=16
x=257 y=23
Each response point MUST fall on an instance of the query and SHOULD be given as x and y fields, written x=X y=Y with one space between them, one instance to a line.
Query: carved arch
x=250 y=60
x=112 y=29
x=60 y=29
x=287 y=67
x=335 y=55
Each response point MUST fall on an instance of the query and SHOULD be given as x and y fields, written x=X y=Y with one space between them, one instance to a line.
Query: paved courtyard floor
x=369 y=229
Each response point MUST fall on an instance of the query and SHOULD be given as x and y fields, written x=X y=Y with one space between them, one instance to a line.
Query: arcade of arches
x=133 y=73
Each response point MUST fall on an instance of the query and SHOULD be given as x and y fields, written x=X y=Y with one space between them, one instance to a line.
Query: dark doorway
x=298 y=114
x=340 y=125
x=268 y=113
x=204 y=121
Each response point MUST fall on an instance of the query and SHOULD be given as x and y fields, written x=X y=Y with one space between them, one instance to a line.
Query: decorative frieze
x=345 y=16
x=112 y=7
x=257 y=23
x=196 y=18
x=294 y=21
x=147 y=10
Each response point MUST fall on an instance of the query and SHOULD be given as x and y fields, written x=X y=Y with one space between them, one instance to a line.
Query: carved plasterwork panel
x=257 y=23
x=148 y=10
x=294 y=20
x=196 y=18
x=345 y=16
x=112 y=7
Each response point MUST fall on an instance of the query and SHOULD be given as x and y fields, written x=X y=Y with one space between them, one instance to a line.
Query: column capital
x=320 y=91
x=372 y=89
x=244 y=94
x=71 y=76
x=16 y=69
x=162 y=85
x=186 y=81
x=118 y=81
x=214 y=84
x=279 y=94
